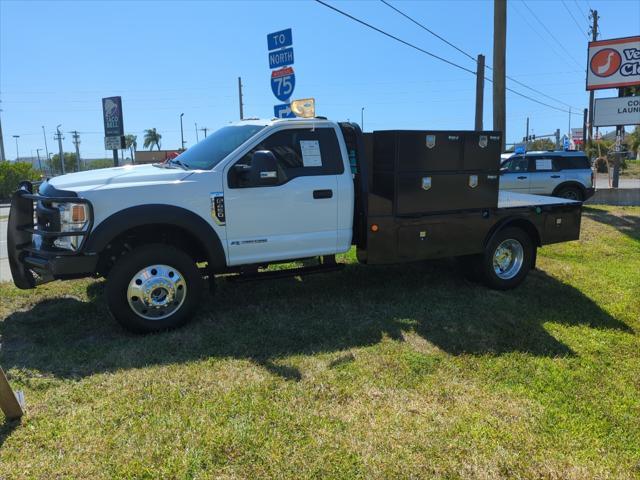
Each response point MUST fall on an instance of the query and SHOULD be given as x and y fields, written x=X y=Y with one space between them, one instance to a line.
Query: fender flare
x=142 y=215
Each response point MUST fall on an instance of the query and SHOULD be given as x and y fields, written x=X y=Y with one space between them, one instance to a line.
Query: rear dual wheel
x=154 y=287
x=506 y=261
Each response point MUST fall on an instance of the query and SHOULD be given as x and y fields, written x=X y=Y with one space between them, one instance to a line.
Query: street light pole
x=39 y=162
x=17 y=151
x=181 y=131
x=362 y=118
x=46 y=149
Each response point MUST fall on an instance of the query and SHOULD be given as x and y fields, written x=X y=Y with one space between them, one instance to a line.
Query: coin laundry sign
x=614 y=63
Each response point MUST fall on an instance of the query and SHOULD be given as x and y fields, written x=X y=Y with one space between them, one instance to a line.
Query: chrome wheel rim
x=508 y=258
x=156 y=292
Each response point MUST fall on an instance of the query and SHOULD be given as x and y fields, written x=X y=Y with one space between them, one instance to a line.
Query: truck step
x=328 y=265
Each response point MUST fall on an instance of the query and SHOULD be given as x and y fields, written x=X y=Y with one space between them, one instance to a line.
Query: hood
x=118 y=176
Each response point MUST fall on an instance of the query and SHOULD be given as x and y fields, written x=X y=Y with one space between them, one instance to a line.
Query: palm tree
x=151 y=138
x=131 y=141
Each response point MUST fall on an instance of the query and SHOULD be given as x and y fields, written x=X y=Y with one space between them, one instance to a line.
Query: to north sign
x=281 y=58
x=282 y=83
x=280 y=39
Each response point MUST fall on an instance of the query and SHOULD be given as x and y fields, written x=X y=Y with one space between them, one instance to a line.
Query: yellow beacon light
x=305 y=107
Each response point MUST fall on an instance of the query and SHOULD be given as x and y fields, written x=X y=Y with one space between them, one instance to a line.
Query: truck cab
x=260 y=192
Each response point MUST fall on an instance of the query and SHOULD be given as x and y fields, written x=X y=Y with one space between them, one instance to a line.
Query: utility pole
x=593 y=15
x=499 y=60
x=17 y=151
x=479 y=92
x=240 y=97
x=2 y=155
x=76 y=142
x=39 y=162
x=181 y=132
x=197 y=139
x=362 y=118
x=46 y=149
x=204 y=129
x=584 y=129
x=527 y=135
x=569 y=133
x=60 y=152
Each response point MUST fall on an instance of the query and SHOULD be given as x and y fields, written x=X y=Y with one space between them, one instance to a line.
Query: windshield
x=213 y=149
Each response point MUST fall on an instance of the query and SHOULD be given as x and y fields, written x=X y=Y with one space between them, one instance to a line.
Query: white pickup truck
x=261 y=192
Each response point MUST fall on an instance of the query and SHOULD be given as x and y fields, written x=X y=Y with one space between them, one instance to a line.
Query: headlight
x=74 y=217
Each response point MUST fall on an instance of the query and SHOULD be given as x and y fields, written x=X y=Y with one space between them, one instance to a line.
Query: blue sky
x=58 y=59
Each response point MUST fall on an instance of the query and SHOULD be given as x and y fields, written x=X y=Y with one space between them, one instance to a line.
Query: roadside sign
x=609 y=112
x=283 y=111
x=281 y=58
x=565 y=143
x=114 y=142
x=283 y=82
x=280 y=39
x=613 y=63
x=112 y=115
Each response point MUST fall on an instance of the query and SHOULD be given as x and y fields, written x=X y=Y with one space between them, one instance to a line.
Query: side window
x=299 y=152
x=517 y=165
x=543 y=164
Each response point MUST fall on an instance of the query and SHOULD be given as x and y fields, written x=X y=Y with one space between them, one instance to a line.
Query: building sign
x=609 y=112
x=112 y=114
x=613 y=63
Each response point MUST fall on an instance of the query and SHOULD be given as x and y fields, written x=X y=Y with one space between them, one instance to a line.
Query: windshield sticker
x=311 y=153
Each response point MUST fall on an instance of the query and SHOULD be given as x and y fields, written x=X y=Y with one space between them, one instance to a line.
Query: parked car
x=565 y=174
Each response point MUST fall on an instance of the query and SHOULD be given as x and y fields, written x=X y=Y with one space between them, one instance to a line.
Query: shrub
x=12 y=173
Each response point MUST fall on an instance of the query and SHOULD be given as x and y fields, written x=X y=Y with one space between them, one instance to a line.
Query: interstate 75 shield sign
x=283 y=82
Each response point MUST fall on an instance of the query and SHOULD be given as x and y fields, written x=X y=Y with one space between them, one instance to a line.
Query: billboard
x=112 y=114
x=613 y=63
x=610 y=112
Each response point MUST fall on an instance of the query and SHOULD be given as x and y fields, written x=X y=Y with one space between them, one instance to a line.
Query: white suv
x=566 y=174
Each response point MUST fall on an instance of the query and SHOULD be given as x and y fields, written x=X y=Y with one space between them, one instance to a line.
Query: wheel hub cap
x=156 y=292
x=508 y=259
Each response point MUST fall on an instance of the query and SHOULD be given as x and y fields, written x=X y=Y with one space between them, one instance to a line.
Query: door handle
x=522 y=178
x=322 y=193
x=555 y=176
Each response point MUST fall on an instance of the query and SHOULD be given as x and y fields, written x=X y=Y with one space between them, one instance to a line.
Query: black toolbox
x=430 y=171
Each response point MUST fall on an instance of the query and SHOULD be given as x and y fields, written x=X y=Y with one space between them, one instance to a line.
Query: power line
x=550 y=33
x=471 y=56
x=433 y=55
x=564 y=4
x=395 y=38
x=428 y=30
x=580 y=10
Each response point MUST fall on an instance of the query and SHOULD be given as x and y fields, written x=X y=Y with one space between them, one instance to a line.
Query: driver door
x=293 y=217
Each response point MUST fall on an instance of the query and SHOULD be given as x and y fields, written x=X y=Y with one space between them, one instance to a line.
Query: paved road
x=602 y=181
x=5 y=273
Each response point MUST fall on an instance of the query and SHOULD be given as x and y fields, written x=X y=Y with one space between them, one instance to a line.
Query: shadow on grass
x=627 y=224
x=266 y=321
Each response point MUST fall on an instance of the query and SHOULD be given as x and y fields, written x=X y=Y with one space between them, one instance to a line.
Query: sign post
x=283 y=78
x=113 y=126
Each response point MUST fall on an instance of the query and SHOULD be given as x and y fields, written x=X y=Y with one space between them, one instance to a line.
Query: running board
x=327 y=266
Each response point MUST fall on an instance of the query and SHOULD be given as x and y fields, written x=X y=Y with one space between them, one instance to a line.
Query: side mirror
x=264 y=168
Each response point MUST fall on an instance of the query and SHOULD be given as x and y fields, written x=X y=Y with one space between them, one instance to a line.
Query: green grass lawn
x=371 y=372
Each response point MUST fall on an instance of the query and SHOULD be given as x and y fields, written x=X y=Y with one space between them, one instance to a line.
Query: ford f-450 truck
x=256 y=193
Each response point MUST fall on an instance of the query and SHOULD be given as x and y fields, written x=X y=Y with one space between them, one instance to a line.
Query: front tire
x=507 y=259
x=153 y=288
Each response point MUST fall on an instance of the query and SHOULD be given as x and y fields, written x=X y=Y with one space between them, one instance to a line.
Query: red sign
x=613 y=63
x=282 y=72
